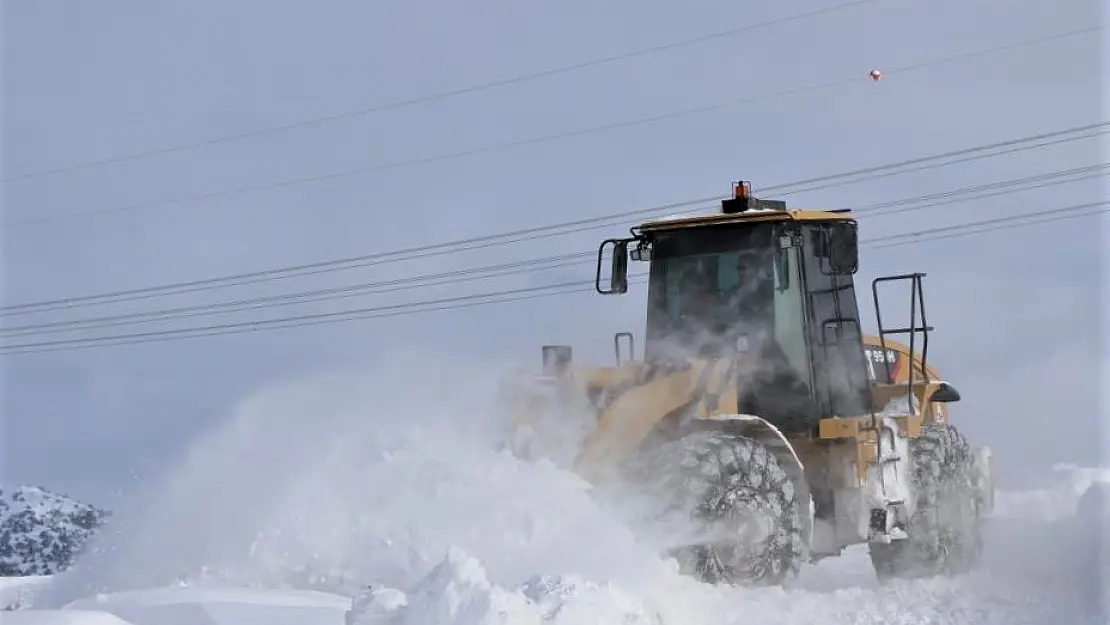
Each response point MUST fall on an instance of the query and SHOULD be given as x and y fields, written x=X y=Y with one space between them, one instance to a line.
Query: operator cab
x=768 y=287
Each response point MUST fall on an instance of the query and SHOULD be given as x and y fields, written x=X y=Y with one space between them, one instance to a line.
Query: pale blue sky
x=1016 y=312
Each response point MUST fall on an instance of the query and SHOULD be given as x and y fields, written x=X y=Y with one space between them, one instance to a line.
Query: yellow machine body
x=638 y=403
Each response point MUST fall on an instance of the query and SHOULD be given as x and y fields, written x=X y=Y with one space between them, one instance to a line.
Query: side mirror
x=946 y=393
x=618 y=277
x=843 y=248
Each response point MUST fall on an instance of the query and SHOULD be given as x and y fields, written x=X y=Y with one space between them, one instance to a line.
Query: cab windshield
x=725 y=288
x=764 y=289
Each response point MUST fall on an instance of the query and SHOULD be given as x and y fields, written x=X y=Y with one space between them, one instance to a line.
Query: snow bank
x=19 y=592
x=376 y=606
x=1055 y=498
x=391 y=479
x=334 y=481
x=458 y=592
x=59 y=617
x=217 y=606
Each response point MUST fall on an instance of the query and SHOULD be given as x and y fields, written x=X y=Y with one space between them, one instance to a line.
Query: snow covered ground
x=313 y=492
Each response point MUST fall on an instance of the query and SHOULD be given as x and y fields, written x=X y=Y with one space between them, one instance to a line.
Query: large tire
x=719 y=486
x=945 y=531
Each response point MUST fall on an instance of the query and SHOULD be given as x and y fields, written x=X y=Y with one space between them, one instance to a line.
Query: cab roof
x=750 y=216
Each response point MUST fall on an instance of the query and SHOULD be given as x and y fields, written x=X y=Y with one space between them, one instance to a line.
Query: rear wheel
x=734 y=507
x=945 y=533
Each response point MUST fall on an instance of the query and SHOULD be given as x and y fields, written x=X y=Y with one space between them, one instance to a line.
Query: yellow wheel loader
x=760 y=419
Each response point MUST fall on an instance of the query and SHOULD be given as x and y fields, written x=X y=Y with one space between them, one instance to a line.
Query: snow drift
x=391 y=479
x=458 y=592
x=339 y=480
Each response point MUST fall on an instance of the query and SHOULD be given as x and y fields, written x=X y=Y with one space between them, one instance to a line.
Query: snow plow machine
x=760 y=416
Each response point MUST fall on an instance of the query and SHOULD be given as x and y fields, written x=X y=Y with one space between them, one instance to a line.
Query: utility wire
x=633 y=279
x=367 y=260
x=316 y=295
x=992 y=222
x=506 y=238
x=965 y=159
x=498 y=270
x=1047 y=180
x=556 y=136
x=993 y=228
x=404 y=308
x=984 y=226
x=442 y=95
x=874 y=173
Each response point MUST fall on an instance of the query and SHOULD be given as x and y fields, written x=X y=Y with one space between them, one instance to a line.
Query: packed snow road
x=308 y=495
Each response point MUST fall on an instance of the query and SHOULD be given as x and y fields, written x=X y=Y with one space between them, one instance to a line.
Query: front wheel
x=738 y=515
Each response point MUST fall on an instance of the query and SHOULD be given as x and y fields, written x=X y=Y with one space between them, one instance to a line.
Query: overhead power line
x=442 y=95
x=406 y=308
x=1053 y=214
x=561 y=135
x=961 y=195
x=364 y=260
x=316 y=295
x=520 y=235
x=968 y=155
x=448 y=303
x=419 y=307
x=974 y=229
x=1046 y=180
